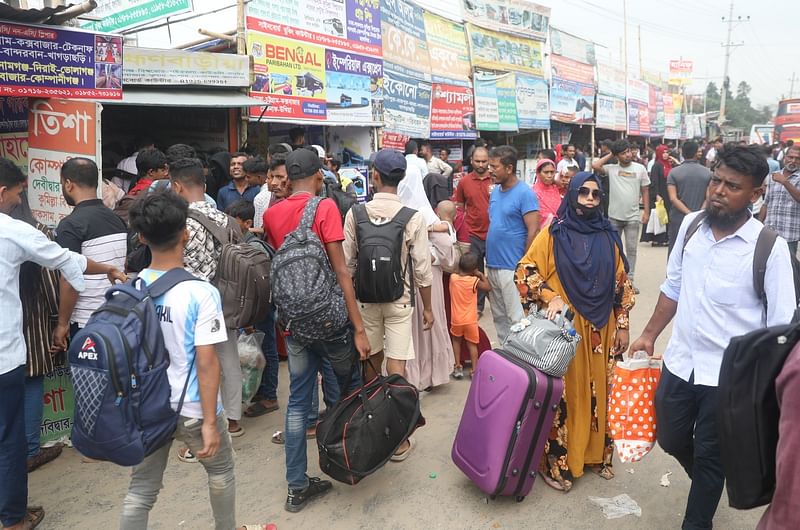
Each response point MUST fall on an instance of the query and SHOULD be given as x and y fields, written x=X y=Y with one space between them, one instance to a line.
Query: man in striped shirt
x=92 y=230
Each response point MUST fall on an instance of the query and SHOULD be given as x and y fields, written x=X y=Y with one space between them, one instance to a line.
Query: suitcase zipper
x=518 y=424
x=536 y=433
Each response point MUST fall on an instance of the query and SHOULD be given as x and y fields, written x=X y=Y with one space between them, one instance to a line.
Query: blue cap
x=390 y=162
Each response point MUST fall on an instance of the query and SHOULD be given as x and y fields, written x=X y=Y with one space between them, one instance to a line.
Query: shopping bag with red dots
x=631 y=409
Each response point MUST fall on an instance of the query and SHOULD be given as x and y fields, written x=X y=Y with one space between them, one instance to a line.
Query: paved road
x=400 y=496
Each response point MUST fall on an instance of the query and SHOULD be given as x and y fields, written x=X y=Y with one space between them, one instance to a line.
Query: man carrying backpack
x=386 y=275
x=317 y=307
x=201 y=257
x=710 y=292
x=192 y=325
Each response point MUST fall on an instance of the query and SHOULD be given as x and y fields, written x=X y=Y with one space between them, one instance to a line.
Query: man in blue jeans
x=305 y=359
x=20 y=242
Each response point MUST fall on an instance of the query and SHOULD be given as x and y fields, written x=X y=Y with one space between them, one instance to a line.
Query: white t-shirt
x=191 y=316
x=565 y=163
x=711 y=155
x=625 y=185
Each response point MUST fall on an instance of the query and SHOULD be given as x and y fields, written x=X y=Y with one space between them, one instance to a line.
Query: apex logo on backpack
x=88 y=350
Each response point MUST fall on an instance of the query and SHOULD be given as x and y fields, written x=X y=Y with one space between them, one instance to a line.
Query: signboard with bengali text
x=495 y=102
x=407 y=102
x=150 y=66
x=48 y=61
x=447 y=47
x=533 y=105
x=519 y=17
x=498 y=51
x=572 y=91
x=452 y=113
x=123 y=14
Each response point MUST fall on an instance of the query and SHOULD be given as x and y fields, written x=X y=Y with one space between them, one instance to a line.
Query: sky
x=670 y=29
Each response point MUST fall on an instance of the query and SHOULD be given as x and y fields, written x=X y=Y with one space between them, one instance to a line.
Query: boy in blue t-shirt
x=192 y=324
x=513 y=223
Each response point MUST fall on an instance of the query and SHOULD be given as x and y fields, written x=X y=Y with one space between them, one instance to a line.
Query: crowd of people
x=568 y=241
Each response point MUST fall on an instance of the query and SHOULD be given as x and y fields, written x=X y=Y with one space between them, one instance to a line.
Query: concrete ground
x=427 y=491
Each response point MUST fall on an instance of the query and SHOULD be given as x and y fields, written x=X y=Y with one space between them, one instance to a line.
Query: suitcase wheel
x=520 y=498
x=492 y=497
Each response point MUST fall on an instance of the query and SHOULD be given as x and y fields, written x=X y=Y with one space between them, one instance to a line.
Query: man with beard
x=782 y=202
x=93 y=230
x=472 y=196
x=709 y=291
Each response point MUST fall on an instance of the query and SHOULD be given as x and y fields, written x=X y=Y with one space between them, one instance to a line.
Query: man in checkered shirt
x=782 y=202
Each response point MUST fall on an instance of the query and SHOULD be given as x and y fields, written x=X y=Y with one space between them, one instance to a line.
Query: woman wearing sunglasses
x=578 y=263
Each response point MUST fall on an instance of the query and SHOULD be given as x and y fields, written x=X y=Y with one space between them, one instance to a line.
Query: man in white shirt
x=434 y=163
x=709 y=290
x=711 y=154
x=20 y=242
x=628 y=184
x=256 y=173
x=568 y=150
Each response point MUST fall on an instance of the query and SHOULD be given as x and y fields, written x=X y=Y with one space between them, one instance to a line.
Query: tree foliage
x=739 y=111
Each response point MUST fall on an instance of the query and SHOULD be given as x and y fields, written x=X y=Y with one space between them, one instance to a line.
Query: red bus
x=787 y=120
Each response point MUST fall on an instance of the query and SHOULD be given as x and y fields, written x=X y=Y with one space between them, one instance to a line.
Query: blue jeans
x=269 y=379
x=330 y=389
x=34 y=388
x=14 y=484
x=305 y=362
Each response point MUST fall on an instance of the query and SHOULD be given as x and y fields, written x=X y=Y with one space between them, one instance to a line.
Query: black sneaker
x=297 y=499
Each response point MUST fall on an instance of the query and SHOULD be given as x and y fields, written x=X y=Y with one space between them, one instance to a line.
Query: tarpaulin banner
x=351 y=25
x=447 y=47
x=656 y=112
x=407 y=102
x=117 y=15
x=571 y=91
x=533 y=105
x=519 y=17
x=353 y=88
x=58 y=130
x=404 y=38
x=290 y=78
x=610 y=80
x=638 y=108
x=13 y=114
x=496 y=102
x=611 y=113
x=48 y=61
x=497 y=51
x=452 y=113
x=572 y=47
x=680 y=72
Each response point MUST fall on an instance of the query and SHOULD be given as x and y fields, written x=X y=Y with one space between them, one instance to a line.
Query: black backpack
x=748 y=411
x=766 y=240
x=380 y=277
x=344 y=200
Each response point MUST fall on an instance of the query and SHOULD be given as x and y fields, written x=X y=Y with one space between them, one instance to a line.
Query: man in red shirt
x=304 y=170
x=472 y=196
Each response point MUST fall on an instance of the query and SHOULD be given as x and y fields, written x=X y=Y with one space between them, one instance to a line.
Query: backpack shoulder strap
x=360 y=213
x=309 y=213
x=692 y=228
x=766 y=240
x=223 y=234
x=168 y=280
x=404 y=216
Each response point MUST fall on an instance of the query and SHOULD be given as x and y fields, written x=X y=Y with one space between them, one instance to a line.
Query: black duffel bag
x=366 y=428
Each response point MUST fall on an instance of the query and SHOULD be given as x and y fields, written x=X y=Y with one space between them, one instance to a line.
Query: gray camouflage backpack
x=304 y=287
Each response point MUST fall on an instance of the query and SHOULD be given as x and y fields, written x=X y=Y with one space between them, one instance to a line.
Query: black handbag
x=366 y=428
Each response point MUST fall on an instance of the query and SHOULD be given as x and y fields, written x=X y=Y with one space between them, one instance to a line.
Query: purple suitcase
x=506 y=421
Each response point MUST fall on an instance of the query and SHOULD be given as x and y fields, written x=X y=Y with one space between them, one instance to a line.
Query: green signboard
x=58 y=401
x=119 y=15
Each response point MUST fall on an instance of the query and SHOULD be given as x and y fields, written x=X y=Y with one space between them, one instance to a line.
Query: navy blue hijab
x=584 y=255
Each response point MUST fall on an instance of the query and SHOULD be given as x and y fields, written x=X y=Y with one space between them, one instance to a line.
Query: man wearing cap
x=304 y=170
x=389 y=325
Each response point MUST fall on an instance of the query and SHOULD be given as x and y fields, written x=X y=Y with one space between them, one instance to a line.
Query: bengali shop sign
x=123 y=14
x=405 y=44
x=289 y=77
x=353 y=93
x=13 y=114
x=495 y=102
x=533 y=106
x=407 y=102
x=611 y=113
x=58 y=130
x=452 y=113
x=447 y=47
x=351 y=25
x=519 y=17
x=610 y=80
x=572 y=47
x=47 y=61
x=638 y=108
x=680 y=72
x=571 y=91
x=150 y=66
x=497 y=51
x=58 y=402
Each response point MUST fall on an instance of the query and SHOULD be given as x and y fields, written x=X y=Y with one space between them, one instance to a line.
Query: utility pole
x=641 y=70
x=625 y=38
x=791 y=87
x=728 y=45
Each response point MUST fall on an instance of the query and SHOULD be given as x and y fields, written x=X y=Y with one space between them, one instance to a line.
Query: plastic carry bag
x=654 y=224
x=253 y=363
x=631 y=407
x=661 y=212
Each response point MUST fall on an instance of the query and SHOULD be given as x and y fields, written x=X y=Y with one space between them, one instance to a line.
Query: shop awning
x=169 y=97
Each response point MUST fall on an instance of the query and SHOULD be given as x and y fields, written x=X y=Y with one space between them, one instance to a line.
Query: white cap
x=320 y=151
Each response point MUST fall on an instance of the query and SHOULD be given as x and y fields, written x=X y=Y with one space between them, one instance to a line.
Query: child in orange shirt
x=464 y=288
